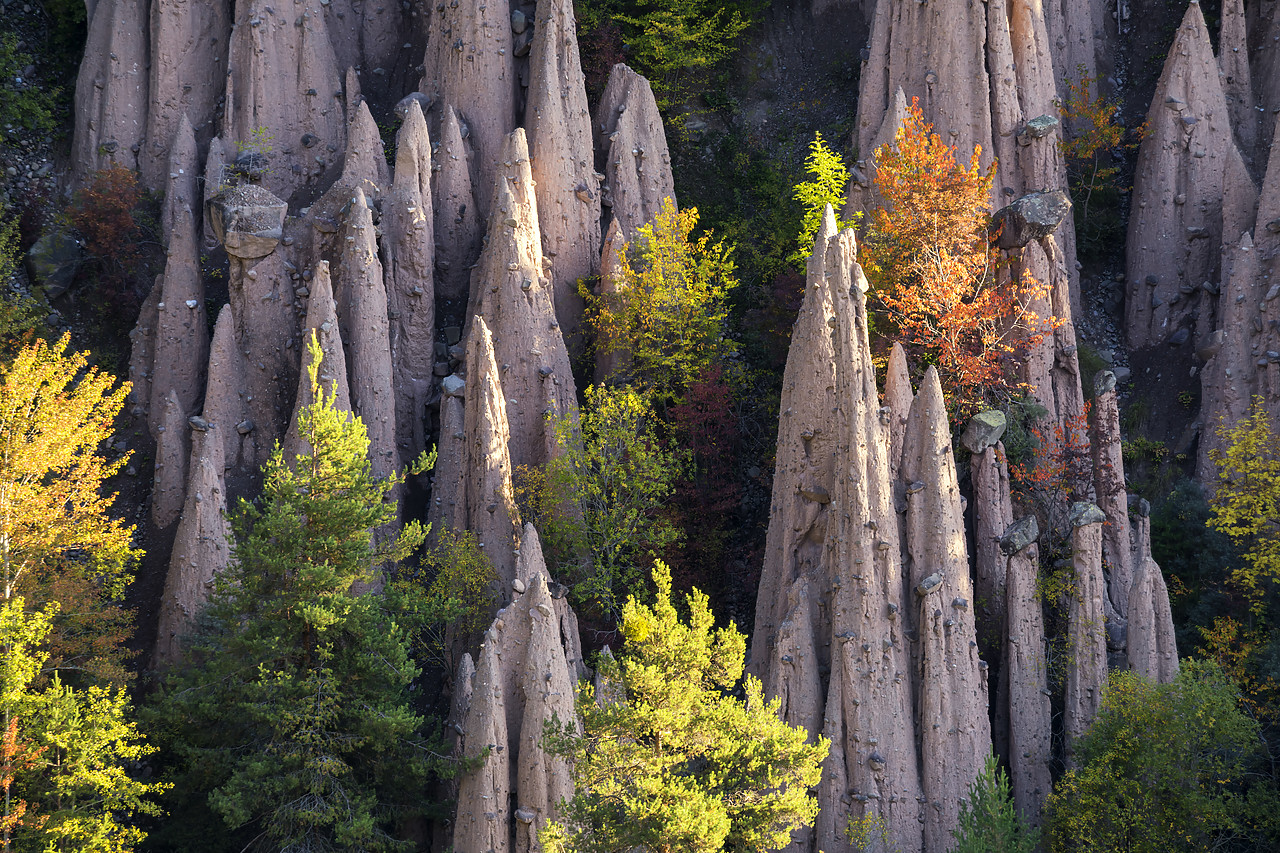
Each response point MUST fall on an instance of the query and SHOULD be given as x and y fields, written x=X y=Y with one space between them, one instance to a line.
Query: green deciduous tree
x=668 y=39
x=600 y=502
x=1165 y=768
x=292 y=710
x=989 y=822
x=1246 y=503
x=670 y=760
x=669 y=313
x=66 y=752
x=828 y=177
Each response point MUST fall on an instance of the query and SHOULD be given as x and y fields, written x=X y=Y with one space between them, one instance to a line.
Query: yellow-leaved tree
x=64 y=562
x=1246 y=504
x=668 y=316
x=58 y=540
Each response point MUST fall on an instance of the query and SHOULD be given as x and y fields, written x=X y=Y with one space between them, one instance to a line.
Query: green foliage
x=1141 y=448
x=667 y=318
x=23 y=104
x=668 y=39
x=71 y=791
x=1095 y=135
x=869 y=832
x=599 y=502
x=1091 y=363
x=1166 y=768
x=292 y=707
x=461 y=594
x=1196 y=559
x=989 y=822
x=670 y=760
x=1246 y=503
x=826 y=187
x=1021 y=414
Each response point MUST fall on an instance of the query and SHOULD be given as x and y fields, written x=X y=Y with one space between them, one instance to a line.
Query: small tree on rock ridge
x=670 y=760
x=933 y=269
x=292 y=711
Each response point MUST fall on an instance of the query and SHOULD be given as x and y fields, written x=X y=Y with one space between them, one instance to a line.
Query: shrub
x=669 y=314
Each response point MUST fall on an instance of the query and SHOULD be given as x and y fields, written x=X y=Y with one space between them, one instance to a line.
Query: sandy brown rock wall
x=112 y=89
x=560 y=150
x=1191 y=192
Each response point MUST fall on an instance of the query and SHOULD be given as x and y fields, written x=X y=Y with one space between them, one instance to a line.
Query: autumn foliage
x=103 y=214
x=58 y=541
x=937 y=275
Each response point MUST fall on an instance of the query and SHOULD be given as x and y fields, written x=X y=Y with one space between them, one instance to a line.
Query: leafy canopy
x=292 y=711
x=936 y=274
x=58 y=541
x=668 y=39
x=1166 y=768
x=669 y=759
x=599 y=501
x=65 y=751
x=826 y=187
x=667 y=317
x=1246 y=503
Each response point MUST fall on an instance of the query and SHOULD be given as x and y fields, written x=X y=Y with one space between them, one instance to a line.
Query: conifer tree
x=828 y=177
x=670 y=759
x=292 y=710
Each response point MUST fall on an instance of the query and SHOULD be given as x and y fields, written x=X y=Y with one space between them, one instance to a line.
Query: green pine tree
x=989 y=822
x=671 y=760
x=292 y=709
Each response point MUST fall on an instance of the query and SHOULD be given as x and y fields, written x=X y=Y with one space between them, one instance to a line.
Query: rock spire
x=188 y=46
x=1025 y=678
x=458 y=228
x=832 y=587
x=560 y=150
x=284 y=94
x=951 y=701
x=1191 y=190
x=182 y=330
x=525 y=677
x=366 y=336
x=201 y=547
x=511 y=290
x=112 y=89
x=470 y=65
x=1153 y=650
x=633 y=148
x=934 y=52
x=408 y=251
x=1086 y=615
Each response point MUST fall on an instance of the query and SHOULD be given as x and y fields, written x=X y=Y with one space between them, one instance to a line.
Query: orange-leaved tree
x=937 y=275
